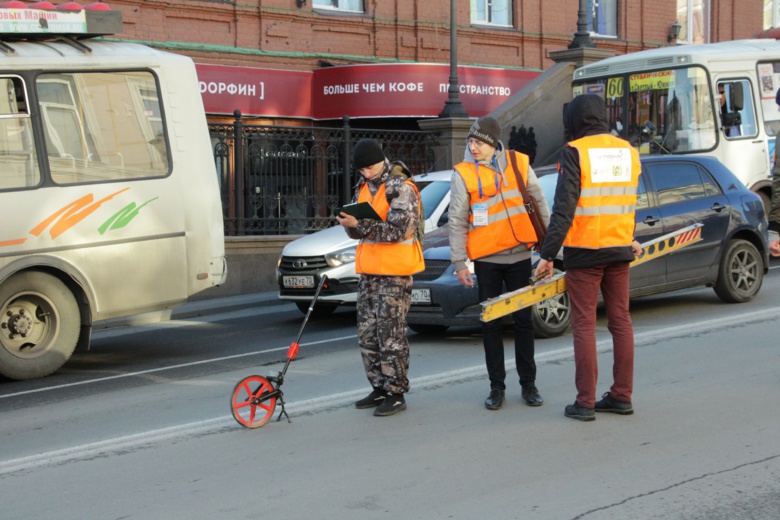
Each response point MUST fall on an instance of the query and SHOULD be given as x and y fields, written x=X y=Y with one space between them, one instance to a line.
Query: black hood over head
x=586 y=115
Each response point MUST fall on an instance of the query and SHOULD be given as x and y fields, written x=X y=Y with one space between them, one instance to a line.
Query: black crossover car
x=674 y=192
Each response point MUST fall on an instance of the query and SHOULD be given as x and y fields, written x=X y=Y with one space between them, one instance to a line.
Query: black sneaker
x=575 y=411
x=612 y=405
x=375 y=398
x=531 y=395
x=391 y=405
x=495 y=400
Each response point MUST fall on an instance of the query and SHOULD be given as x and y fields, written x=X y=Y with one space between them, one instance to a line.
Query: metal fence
x=287 y=180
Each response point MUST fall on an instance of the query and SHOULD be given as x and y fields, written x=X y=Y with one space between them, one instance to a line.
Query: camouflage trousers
x=382 y=304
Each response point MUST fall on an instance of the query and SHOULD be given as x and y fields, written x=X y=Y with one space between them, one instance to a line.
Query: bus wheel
x=767 y=201
x=39 y=325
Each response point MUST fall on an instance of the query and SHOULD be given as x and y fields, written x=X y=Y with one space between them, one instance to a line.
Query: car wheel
x=427 y=329
x=320 y=310
x=741 y=272
x=552 y=317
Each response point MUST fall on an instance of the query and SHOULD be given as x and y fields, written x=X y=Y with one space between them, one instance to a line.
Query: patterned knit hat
x=487 y=130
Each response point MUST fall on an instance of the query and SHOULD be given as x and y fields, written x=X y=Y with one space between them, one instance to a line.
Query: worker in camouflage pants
x=389 y=253
x=381 y=317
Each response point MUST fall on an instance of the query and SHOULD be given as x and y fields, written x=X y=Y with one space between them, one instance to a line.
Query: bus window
x=102 y=126
x=18 y=159
x=769 y=81
x=736 y=109
x=676 y=102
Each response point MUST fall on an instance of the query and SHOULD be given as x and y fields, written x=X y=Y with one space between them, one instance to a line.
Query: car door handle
x=650 y=220
x=718 y=207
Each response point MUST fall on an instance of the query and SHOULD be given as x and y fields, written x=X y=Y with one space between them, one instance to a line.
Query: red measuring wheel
x=250 y=403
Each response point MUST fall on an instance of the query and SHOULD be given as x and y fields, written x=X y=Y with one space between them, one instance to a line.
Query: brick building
x=306 y=37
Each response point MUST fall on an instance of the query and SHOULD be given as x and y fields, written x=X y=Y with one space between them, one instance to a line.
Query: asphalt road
x=140 y=428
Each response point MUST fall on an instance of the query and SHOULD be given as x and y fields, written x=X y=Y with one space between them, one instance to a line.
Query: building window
x=694 y=17
x=494 y=12
x=771 y=13
x=602 y=17
x=341 y=5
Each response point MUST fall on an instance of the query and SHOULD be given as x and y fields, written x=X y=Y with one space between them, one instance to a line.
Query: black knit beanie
x=487 y=130
x=367 y=152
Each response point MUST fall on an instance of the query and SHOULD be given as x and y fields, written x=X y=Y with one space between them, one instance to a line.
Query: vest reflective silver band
x=595 y=211
x=608 y=191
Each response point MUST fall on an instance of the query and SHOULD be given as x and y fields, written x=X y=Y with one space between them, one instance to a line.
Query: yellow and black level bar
x=510 y=302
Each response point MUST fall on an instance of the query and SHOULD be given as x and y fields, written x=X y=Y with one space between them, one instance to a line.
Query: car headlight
x=341 y=257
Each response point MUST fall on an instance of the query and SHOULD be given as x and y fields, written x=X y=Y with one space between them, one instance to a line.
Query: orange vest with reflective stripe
x=387 y=258
x=609 y=174
x=508 y=221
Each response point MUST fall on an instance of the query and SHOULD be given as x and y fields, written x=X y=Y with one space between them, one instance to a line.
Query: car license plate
x=298 y=282
x=421 y=296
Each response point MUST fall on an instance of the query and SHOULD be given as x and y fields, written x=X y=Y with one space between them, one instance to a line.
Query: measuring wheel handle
x=254 y=398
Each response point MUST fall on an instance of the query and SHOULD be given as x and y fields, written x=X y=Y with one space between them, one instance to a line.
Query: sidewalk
x=197 y=308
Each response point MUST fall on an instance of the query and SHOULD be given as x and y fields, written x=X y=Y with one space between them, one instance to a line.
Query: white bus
x=715 y=99
x=109 y=198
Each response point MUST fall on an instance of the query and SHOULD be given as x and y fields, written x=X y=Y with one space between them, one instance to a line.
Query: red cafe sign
x=384 y=90
x=410 y=90
x=255 y=92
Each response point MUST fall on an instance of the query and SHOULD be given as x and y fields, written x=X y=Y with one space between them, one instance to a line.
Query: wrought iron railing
x=287 y=180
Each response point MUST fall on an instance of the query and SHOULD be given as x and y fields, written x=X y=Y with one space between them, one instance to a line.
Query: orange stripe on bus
x=71 y=214
x=14 y=242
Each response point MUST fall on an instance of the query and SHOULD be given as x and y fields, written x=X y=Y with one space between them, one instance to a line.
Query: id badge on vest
x=480 y=212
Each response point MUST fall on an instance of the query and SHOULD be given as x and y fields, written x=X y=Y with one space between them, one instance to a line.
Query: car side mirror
x=445 y=217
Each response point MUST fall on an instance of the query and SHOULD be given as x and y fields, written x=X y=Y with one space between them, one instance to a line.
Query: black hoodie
x=585 y=115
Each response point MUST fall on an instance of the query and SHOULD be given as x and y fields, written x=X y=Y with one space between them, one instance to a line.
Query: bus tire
x=766 y=200
x=40 y=324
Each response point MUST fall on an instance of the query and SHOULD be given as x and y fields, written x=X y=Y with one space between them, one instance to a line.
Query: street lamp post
x=582 y=36
x=453 y=107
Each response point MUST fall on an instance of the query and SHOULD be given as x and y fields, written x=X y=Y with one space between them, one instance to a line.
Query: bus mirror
x=736 y=96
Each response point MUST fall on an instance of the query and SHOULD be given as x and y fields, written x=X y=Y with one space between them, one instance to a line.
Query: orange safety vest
x=609 y=170
x=508 y=221
x=387 y=258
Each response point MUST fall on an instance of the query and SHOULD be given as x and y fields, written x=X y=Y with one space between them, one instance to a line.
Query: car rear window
x=432 y=195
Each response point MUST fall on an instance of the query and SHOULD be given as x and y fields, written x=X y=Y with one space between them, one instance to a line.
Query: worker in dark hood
x=593 y=219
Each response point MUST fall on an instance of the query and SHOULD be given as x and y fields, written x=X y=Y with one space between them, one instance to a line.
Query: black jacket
x=585 y=115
